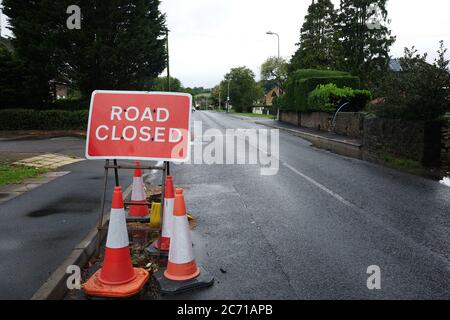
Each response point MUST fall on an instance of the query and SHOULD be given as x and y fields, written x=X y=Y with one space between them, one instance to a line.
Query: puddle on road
x=72 y=205
x=445 y=181
x=44 y=213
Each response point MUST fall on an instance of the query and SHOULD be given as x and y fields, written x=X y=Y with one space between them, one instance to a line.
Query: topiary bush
x=28 y=119
x=70 y=104
x=302 y=82
x=329 y=97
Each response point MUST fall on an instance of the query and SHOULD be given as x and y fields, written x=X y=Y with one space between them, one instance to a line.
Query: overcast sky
x=208 y=37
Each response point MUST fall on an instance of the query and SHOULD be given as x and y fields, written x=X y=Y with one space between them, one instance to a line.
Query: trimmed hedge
x=70 y=104
x=329 y=97
x=302 y=82
x=28 y=119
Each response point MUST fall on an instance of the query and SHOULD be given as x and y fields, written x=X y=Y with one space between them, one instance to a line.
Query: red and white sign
x=139 y=126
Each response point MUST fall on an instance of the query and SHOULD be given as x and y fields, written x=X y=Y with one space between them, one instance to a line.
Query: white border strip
x=188 y=153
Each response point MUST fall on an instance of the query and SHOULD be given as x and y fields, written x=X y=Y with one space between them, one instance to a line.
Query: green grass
x=10 y=174
x=407 y=164
x=248 y=114
x=254 y=115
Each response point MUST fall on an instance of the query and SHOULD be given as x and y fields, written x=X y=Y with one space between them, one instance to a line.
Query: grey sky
x=208 y=37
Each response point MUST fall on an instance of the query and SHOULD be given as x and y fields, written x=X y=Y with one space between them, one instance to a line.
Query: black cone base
x=169 y=287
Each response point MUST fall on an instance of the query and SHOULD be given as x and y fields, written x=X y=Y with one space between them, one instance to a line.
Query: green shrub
x=28 y=119
x=329 y=97
x=420 y=91
x=302 y=82
x=70 y=104
x=314 y=73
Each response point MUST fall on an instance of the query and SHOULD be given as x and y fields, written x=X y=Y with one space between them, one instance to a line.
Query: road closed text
x=139 y=126
x=144 y=126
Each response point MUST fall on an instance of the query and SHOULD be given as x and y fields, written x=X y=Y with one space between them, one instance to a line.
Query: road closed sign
x=139 y=126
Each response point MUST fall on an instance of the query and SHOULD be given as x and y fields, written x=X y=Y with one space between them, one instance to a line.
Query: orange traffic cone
x=167 y=225
x=181 y=265
x=140 y=208
x=117 y=278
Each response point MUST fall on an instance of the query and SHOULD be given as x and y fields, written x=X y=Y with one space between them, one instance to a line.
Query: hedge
x=302 y=82
x=70 y=104
x=329 y=97
x=28 y=119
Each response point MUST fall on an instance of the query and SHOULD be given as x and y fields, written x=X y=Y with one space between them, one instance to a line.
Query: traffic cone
x=181 y=265
x=140 y=208
x=167 y=225
x=117 y=278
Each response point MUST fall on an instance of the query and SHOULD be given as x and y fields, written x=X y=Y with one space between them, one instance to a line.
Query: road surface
x=312 y=230
x=309 y=232
x=40 y=228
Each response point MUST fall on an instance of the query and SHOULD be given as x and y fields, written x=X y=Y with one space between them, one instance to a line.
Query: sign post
x=145 y=126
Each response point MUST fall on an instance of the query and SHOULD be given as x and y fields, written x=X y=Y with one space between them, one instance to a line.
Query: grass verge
x=406 y=164
x=248 y=114
x=10 y=173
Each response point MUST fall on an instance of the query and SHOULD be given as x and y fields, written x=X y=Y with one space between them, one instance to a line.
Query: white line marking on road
x=320 y=186
x=311 y=180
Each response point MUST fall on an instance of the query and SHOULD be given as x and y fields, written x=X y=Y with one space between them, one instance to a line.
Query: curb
x=344 y=148
x=55 y=287
x=50 y=135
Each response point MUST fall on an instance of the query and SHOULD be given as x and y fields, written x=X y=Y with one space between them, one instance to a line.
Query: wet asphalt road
x=308 y=232
x=312 y=230
x=39 y=229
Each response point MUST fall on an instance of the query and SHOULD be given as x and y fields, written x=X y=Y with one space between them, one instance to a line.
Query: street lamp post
x=228 y=97
x=278 y=37
x=168 y=60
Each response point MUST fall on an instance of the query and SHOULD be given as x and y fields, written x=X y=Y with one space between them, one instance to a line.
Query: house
x=394 y=65
x=268 y=98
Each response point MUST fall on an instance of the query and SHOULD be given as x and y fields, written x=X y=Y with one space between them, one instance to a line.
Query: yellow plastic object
x=155 y=215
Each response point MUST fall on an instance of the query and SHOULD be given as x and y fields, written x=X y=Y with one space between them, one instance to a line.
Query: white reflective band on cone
x=181 y=244
x=138 y=190
x=168 y=218
x=117 y=231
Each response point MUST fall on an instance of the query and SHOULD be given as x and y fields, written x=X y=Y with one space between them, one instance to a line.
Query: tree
x=218 y=96
x=244 y=90
x=318 y=48
x=420 y=91
x=275 y=69
x=365 y=37
x=11 y=79
x=120 y=45
x=38 y=43
x=161 y=84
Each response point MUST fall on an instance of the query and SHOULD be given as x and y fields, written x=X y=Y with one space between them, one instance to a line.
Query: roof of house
x=395 y=65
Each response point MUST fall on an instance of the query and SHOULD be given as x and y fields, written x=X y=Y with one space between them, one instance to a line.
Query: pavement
x=39 y=228
x=312 y=230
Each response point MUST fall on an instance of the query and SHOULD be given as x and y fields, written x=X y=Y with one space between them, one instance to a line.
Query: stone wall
x=290 y=117
x=350 y=124
x=414 y=140
x=320 y=121
x=428 y=143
